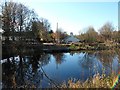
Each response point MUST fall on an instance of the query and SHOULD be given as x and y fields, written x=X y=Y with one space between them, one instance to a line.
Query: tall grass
x=96 y=82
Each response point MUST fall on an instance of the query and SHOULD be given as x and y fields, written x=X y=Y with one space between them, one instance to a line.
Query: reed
x=98 y=81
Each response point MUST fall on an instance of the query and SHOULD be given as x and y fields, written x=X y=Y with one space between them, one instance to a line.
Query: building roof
x=71 y=38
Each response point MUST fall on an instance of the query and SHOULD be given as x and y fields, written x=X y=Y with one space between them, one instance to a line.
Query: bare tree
x=16 y=18
x=46 y=24
x=106 y=31
x=90 y=36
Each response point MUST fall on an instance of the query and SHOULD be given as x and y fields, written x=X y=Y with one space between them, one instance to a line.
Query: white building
x=71 y=39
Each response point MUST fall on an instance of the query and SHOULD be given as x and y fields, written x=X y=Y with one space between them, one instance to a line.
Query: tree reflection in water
x=59 y=57
x=86 y=61
x=90 y=63
x=106 y=60
x=8 y=73
x=24 y=71
x=118 y=53
x=108 y=57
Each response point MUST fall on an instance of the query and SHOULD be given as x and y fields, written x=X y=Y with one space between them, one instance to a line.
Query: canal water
x=52 y=69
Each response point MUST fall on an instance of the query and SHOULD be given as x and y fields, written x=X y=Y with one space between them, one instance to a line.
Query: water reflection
x=23 y=71
x=8 y=73
x=59 y=57
x=90 y=63
x=108 y=58
x=45 y=70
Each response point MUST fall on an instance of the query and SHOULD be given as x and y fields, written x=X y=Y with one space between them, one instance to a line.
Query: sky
x=75 y=16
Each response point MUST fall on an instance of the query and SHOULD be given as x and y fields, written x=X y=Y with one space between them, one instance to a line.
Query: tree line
x=21 y=23
x=105 y=33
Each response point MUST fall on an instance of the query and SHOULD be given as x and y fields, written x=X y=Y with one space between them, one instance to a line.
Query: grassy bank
x=93 y=46
x=14 y=49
